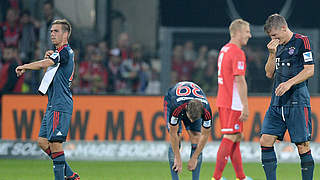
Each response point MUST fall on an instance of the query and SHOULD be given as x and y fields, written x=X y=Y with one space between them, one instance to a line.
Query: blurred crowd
x=126 y=68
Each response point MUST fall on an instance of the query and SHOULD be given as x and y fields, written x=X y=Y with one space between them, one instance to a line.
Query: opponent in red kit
x=232 y=101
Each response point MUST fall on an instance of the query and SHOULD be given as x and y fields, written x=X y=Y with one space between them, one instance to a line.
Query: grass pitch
x=12 y=169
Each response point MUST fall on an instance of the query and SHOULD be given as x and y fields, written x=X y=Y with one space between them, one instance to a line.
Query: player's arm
x=174 y=140
x=243 y=93
x=40 y=64
x=34 y=66
x=306 y=73
x=205 y=133
x=271 y=62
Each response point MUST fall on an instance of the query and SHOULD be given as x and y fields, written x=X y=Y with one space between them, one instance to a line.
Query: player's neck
x=61 y=44
x=236 y=42
x=289 y=36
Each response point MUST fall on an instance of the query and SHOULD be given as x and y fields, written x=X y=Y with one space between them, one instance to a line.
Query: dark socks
x=68 y=170
x=307 y=165
x=58 y=165
x=269 y=162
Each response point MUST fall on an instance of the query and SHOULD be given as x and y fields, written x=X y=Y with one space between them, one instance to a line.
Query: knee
x=303 y=147
x=42 y=143
x=267 y=140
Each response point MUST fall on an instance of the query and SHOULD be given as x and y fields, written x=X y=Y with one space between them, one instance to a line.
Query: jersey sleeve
x=168 y=111
x=239 y=64
x=207 y=117
x=60 y=57
x=305 y=48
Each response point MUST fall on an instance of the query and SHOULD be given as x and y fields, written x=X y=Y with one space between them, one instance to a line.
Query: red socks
x=236 y=160
x=222 y=157
x=229 y=148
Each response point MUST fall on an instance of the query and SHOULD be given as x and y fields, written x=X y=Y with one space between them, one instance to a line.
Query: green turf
x=12 y=169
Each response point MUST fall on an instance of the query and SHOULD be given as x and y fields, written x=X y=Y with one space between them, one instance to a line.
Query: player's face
x=245 y=35
x=188 y=115
x=277 y=33
x=57 y=34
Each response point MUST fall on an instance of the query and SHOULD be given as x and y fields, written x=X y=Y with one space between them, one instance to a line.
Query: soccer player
x=187 y=103
x=232 y=100
x=55 y=124
x=290 y=63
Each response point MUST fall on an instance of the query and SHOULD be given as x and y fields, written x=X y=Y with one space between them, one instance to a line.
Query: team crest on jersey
x=291 y=50
x=307 y=56
x=241 y=65
x=236 y=126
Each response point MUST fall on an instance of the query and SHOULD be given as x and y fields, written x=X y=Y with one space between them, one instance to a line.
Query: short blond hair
x=237 y=25
x=66 y=26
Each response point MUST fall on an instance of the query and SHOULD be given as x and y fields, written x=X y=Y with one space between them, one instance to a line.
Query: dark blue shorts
x=195 y=126
x=55 y=125
x=297 y=119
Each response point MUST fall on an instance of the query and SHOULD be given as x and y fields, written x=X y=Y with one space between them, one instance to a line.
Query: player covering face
x=290 y=64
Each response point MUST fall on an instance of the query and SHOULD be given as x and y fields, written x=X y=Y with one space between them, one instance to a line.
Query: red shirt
x=231 y=63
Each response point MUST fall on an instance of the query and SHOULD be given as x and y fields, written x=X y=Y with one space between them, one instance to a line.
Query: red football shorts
x=229 y=121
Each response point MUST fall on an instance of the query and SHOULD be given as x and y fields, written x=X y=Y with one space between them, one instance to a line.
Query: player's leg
x=226 y=144
x=174 y=174
x=58 y=159
x=235 y=155
x=194 y=138
x=300 y=129
x=44 y=145
x=273 y=128
x=59 y=126
x=307 y=162
x=268 y=156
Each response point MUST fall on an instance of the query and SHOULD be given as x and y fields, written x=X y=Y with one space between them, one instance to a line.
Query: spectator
x=207 y=76
x=123 y=45
x=44 y=32
x=104 y=49
x=93 y=75
x=9 y=82
x=189 y=52
x=183 y=68
x=28 y=37
x=115 y=83
x=135 y=71
x=10 y=30
x=257 y=81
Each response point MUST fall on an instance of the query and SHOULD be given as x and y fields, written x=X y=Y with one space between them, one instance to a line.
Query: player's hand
x=20 y=70
x=283 y=88
x=48 y=53
x=177 y=166
x=244 y=113
x=192 y=164
x=272 y=45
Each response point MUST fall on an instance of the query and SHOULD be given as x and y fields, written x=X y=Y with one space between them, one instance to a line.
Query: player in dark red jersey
x=290 y=63
x=187 y=103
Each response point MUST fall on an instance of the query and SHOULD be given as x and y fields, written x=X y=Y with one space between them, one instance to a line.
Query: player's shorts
x=55 y=125
x=297 y=119
x=195 y=126
x=229 y=121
